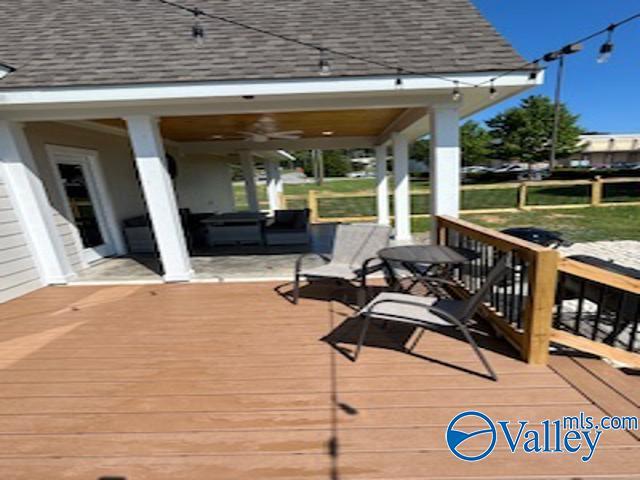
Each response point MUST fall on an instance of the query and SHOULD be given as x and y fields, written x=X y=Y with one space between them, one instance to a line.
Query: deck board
x=232 y=381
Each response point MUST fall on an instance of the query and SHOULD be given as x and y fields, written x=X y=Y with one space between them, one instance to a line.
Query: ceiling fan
x=265 y=129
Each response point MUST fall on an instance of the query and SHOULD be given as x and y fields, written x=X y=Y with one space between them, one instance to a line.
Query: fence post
x=312 y=205
x=282 y=200
x=543 y=273
x=596 y=191
x=522 y=196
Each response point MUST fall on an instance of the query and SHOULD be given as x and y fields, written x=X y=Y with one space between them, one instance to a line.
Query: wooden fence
x=596 y=197
x=529 y=305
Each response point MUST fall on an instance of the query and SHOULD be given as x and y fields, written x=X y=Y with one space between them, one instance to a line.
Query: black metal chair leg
x=476 y=349
x=296 y=289
x=363 y=334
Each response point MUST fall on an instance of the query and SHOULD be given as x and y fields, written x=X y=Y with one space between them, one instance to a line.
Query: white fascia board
x=222 y=89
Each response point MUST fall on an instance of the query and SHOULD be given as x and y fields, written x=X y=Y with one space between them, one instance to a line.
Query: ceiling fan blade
x=288 y=132
x=284 y=136
x=287 y=135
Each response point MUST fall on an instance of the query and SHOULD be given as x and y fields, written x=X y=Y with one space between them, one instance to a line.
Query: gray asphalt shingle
x=92 y=42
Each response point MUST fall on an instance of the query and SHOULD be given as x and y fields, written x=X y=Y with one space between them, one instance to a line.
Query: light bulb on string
x=533 y=75
x=324 y=68
x=456 y=95
x=197 y=30
x=399 y=78
x=606 y=49
x=493 y=92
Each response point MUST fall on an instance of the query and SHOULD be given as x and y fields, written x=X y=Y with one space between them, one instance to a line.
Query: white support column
x=273 y=181
x=382 y=185
x=402 y=198
x=32 y=205
x=249 y=174
x=445 y=161
x=160 y=197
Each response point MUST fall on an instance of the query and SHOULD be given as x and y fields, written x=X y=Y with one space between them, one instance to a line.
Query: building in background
x=606 y=150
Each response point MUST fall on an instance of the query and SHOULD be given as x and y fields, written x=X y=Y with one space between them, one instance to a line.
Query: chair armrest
x=366 y=268
x=307 y=255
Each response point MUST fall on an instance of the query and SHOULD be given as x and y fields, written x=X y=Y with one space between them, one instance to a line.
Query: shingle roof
x=100 y=42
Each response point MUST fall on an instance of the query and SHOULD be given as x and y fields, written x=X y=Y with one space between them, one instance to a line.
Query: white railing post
x=32 y=205
x=273 y=183
x=382 y=185
x=402 y=195
x=445 y=161
x=160 y=197
x=249 y=175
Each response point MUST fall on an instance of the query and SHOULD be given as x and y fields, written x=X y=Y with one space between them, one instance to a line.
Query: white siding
x=18 y=271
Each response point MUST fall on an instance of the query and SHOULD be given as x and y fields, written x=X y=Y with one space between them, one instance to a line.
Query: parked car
x=474 y=169
x=510 y=169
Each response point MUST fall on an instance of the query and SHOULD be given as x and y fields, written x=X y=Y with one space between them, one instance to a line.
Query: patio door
x=76 y=172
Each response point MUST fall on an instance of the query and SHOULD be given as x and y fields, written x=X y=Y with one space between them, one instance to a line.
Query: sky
x=606 y=96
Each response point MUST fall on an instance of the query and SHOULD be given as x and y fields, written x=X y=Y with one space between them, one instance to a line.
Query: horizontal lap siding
x=18 y=271
x=67 y=235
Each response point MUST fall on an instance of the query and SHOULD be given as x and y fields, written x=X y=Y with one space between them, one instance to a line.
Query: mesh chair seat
x=332 y=270
x=401 y=307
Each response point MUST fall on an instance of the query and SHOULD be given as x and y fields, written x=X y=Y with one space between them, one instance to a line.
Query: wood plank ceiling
x=341 y=123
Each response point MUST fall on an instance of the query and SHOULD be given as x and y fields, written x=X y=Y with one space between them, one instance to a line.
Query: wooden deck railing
x=521 y=305
x=597 y=312
x=547 y=299
x=523 y=198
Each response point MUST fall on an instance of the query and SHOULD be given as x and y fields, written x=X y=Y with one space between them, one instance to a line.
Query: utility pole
x=318 y=166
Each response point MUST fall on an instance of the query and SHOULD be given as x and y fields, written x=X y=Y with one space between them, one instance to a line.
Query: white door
x=77 y=176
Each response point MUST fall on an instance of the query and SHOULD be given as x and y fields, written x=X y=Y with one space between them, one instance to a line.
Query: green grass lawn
x=589 y=224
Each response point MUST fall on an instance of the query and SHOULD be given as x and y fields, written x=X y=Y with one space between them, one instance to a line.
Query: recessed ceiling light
x=216 y=137
x=327 y=133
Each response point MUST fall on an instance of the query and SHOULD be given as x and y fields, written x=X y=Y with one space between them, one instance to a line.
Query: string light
x=607 y=47
x=197 y=31
x=324 y=67
x=399 y=78
x=493 y=92
x=533 y=76
x=456 y=91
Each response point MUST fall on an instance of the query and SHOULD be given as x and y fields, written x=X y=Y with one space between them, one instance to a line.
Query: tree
x=524 y=132
x=336 y=163
x=420 y=150
x=475 y=143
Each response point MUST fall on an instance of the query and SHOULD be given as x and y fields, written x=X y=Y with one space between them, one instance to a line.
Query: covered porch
x=181 y=143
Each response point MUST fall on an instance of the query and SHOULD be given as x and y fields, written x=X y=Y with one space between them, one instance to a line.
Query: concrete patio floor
x=224 y=263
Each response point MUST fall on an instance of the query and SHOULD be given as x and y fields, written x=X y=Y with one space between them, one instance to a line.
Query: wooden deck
x=233 y=382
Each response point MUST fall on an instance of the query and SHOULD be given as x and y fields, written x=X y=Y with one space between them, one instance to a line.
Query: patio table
x=425 y=263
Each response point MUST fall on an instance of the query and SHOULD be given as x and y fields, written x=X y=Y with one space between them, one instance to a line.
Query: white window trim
x=105 y=213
